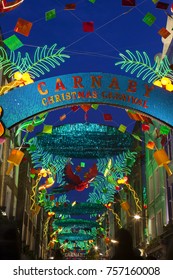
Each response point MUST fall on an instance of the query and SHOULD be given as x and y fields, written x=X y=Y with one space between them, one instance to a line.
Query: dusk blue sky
x=116 y=29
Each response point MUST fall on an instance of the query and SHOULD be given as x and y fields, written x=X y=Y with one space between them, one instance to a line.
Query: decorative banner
x=50 y=14
x=23 y=27
x=13 y=43
x=149 y=19
x=86 y=88
x=164 y=32
x=128 y=3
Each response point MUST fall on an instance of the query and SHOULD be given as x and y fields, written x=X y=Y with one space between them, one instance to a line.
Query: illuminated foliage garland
x=74 y=237
x=80 y=209
x=120 y=165
x=104 y=186
x=44 y=58
x=44 y=200
x=42 y=158
x=74 y=223
x=44 y=155
x=72 y=245
x=141 y=64
x=89 y=139
x=103 y=191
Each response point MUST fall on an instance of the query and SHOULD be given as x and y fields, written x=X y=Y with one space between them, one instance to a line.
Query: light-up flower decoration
x=165 y=83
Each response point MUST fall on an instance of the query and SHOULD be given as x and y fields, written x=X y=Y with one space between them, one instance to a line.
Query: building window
x=153 y=227
x=151 y=189
x=14 y=206
x=26 y=198
x=150 y=155
x=170 y=147
x=11 y=173
x=159 y=223
x=8 y=200
x=171 y=200
x=1 y=149
x=157 y=181
x=16 y=176
x=29 y=172
x=11 y=145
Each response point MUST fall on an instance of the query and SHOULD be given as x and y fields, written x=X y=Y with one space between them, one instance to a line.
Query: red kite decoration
x=9 y=6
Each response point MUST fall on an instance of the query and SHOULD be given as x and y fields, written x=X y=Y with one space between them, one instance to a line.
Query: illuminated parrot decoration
x=74 y=182
x=6 y=6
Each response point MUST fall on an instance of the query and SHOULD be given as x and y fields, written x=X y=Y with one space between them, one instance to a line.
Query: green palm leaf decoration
x=103 y=191
x=11 y=63
x=63 y=199
x=44 y=58
x=140 y=65
x=122 y=164
x=42 y=158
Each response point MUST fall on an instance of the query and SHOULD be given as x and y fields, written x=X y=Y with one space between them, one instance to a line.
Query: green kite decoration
x=44 y=58
x=141 y=64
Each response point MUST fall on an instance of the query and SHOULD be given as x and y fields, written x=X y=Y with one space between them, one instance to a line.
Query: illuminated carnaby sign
x=86 y=88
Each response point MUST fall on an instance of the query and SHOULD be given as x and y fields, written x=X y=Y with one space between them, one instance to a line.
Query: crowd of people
x=124 y=249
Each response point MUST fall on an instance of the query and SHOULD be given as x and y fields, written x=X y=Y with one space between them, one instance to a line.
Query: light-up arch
x=86 y=88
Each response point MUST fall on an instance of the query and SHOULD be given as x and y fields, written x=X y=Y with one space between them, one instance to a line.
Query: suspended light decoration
x=74 y=223
x=14 y=159
x=125 y=206
x=75 y=237
x=162 y=159
x=84 y=140
x=73 y=246
x=80 y=209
